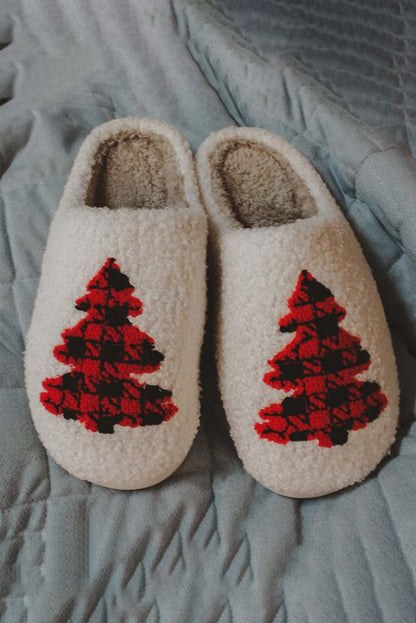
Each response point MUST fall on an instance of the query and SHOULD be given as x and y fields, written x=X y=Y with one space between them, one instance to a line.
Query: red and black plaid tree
x=103 y=350
x=320 y=365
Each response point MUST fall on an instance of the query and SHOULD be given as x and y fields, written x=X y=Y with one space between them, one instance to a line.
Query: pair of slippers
x=305 y=361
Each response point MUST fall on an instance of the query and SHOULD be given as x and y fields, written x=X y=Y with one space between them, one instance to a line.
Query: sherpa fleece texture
x=258 y=268
x=163 y=253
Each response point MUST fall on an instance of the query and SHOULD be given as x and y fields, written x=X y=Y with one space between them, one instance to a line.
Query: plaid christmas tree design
x=103 y=350
x=319 y=365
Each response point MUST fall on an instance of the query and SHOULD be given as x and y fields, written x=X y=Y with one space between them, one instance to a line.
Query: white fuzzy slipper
x=112 y=352
x=305 y=361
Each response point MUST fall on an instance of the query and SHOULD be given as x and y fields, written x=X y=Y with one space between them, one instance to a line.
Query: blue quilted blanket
x=210 y=545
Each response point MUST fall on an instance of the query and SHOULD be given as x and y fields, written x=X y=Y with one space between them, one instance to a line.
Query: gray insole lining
x=137 y=171
x=258 y=185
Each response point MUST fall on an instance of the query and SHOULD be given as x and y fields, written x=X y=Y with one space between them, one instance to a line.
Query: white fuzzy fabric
x=163 y=253
x=258 y=269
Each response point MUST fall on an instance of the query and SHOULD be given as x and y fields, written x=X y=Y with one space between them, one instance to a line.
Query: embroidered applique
x=320 y=365
x=103 y=350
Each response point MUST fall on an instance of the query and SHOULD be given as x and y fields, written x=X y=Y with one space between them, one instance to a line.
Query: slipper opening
x=135 y=170
x=258 y=185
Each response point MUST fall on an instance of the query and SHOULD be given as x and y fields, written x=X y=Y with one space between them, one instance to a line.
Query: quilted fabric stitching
x=397 y=538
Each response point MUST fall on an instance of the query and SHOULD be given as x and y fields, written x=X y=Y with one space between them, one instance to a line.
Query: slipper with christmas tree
x=305 y=361
x=112 y=354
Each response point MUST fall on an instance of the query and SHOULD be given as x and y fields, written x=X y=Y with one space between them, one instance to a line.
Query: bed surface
x=209 y=545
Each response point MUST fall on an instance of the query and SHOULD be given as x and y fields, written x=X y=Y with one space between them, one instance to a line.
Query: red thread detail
x=319 y=366
x=103 y=350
